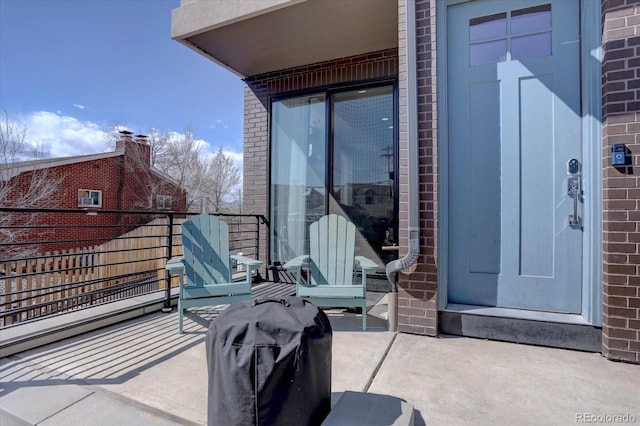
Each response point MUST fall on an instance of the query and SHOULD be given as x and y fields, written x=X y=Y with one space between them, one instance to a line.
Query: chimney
x=144 y=148
x=140 y=144
x=141 y=139
x=125 y=136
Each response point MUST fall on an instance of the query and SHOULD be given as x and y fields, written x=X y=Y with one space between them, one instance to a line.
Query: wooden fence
x=59 y=281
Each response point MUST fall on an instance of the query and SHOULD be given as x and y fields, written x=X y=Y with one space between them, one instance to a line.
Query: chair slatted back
x=331 y=251
x=205 y=241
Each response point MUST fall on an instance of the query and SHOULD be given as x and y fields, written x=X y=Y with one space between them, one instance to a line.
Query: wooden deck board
x=272 y=290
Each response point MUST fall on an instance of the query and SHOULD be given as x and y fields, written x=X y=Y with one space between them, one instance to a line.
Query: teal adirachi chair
x=331 y=266
x=205 y=268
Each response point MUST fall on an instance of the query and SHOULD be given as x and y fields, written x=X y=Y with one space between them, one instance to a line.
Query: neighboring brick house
x=492 y=125
x=113 y=182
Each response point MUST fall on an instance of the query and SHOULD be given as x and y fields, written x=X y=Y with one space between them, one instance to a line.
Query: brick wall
x=72 y=177
x=120 y=178
x=258 y=89
x=621 y=185
x=417 y=304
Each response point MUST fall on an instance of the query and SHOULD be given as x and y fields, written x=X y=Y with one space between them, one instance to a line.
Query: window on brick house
x=163 y=202
x=89 y=198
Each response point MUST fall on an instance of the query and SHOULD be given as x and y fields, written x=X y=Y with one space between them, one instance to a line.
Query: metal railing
x=54 y=261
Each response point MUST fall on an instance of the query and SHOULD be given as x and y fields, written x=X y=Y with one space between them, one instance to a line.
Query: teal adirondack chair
x=331 y=266
x=207 y=266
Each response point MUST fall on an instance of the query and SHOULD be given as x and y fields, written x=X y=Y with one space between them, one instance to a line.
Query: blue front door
x=515 y=231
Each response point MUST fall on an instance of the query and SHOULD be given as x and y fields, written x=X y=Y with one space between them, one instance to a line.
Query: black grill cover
x=269 y=363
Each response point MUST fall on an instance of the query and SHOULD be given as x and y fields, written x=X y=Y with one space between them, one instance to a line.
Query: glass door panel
x=363 y=161
x=298 y=178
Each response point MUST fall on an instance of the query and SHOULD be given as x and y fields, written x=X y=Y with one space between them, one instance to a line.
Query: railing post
x=258 y=222
x=258 y=237
x=167 y=299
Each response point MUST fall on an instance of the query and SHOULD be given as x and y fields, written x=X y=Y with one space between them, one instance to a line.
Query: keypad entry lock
x=573 y=190
x=573 y=166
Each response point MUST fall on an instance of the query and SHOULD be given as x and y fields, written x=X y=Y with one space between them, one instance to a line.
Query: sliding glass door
x=334 y=152
x=363 y=161
x=298 y=178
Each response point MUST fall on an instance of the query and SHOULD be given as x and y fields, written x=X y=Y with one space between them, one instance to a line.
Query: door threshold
x=567 y=331
x=518 y=313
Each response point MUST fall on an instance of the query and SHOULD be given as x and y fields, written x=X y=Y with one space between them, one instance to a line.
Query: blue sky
x=73 y=67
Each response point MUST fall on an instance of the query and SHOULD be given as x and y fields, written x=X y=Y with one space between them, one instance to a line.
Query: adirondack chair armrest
x=296 y=263
x=252 y=263
x=175 y=265
x=368 y=266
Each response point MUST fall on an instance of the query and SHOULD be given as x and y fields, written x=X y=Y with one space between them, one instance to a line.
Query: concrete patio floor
x=142 y=372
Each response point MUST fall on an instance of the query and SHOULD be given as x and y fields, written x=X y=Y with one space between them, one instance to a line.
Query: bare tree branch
x=208 y=183
x=160 y=145
x=22 y=183
x=39 y=186
x=222 y=176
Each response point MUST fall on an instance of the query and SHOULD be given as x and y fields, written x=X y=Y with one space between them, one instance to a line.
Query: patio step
x=370 y=409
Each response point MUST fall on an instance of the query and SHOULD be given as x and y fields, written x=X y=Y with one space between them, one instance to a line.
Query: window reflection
x=521 y=34
x=490 y=52
x=531 y=46
x=297 y=172
x=488 y=27
x=533 y=19
x=363 y=167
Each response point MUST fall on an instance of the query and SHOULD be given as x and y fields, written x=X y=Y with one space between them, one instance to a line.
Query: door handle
x=573 y=190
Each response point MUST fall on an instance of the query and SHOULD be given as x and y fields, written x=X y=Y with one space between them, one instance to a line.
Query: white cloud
x=64 y=136
x=237 y=157
x=216 y=124
x=208 y=151
x=60 y=135
x=79 y=106
x=204 y=145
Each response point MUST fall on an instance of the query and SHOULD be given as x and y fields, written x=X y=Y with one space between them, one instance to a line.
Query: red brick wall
x=258 y=89
x=621 y=185
x=121 y=188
